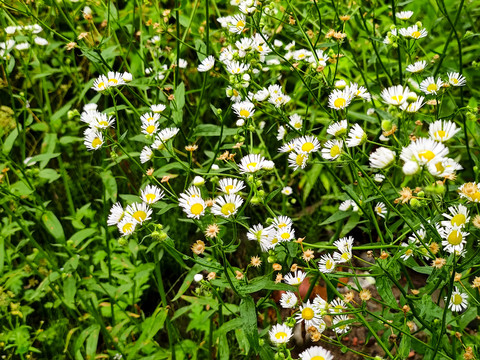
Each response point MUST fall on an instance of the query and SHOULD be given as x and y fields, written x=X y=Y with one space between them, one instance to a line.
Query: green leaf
x=180 y=96
x=69 y=290
x=405 y=343
x=310 y=179
x=272 y=195
x=92 y=341
x=188 y=280
x=53 y=225
x=339 y=215
x=262 y=283
x=8 y=144
x=110 y=185
x=248 y=314
x=21 y=189
x=81 y=235
x=212 y=130
x=384 y=288
x=201 y=49
x=50 y=174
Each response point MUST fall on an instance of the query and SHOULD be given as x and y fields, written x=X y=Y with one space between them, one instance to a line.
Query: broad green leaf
x=92 y=342
x=248 y=313
x=180 y=96
x=339 y=215
x=8 y=144
x=53 y=225
x=110 y=185
x=69 y=290
x=384 y=288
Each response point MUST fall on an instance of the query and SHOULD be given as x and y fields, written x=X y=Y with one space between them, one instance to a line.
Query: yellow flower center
x=196 y=209
x=228 y=209
x=426 y=154
x=416 y=34
x=340 y=102
x=441 y=134
x=244 y=113
x=101 y=85
x=308 y=313
x=432 y=87
x=457 y=299
x=103 y=123
x=228 y=188
x=398 y=98
x=150 y=129
x=139 y=215
x=455 y=238
x=251 y=166
x=475 y=197
x=458 y=220
x=335 y=151
x=455 y=81
x=439 y=166
x=329 y=264
x=115 y=81
x=297 y=125
x=300 y=159
x=240 y=24
x=301 y=56
x=274 y=241
x=96 y=142
x=318 y=357
x=150 y=197
x=345 y=256
x=127 y=228
x=260 y=48
x=282 y=225
x=281 y=335
x=307 y=147
x=285 y=235
x=378 y=209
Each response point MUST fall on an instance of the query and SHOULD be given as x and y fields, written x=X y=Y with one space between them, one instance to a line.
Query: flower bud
x=122 y=242
x=198 y=181
x=340 y=84
x=386 y=125
x=412 y=97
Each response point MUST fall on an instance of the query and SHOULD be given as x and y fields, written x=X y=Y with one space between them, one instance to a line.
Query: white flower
x=430 y=86
x=458 y=301
x=340 y=329
x=306 y=144
x=301 y=54
x=287 y=190
x=413 y=107
x=326 y=264
x=308 y=314
x=235 y=68
x=423 y=150
x=347 y=204
x=244 y=109
x=140 y=212
x=297 y=160
x=116 y=214
x=337 y=306
x=237 y=23
x=93 y=139
x=251 y=163
x=458 y=216
x=194 y=207
x=268 y=165
x=382 y=158
x=410 y=167
x=417 y=66
x=339 y=99
x=207 y=64
x=151 y=194
x=413 y=32
x=127 y=225
x=356 y=136
x=395 y=95
x=22 y=46
x=455 y=79
x=262 y=95
x=101 y=83
x=227 y=205
x=340 y=84
x=296 y=121
x=404 y=15
x=378 y=178
x=127 y=77
x=442 y=130
x=280 y=334
x=316 y=353
x=288 y=300
x=380 y=209
x=198 y=277
x=115 y=78
x=338 y=128
x=454 y=239
x=10 y=30
x=146 y=154
x=198 y=181
x=157 y=108
x=332 y=149
x=40 y=41
x=230 y=186
x=295 y=279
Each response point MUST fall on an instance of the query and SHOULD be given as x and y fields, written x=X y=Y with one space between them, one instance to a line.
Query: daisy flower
x=306 y=144
x=244 y=109
x=102 y=121
x=413 y=32
x=285 y=234
x=423 y=150
x=230 y=186
x=288 y=300
x=140 y=212
x=470 y=191
x=378 y=178
x=235 y=67
x=413 y=107
x=430 y=86
x=297 y=160
x=417 y=66
x=268 y=165
x=309 y=314
x=340 y=328
x=101 y=83
x=282 y=221
x=279 y=100
x=227 y=205
x=458 y=301
x=454 y=239
x=382 y=158
x=347 y=205
x=40 y=41
x=316 y=353
x=408 y=252
x=115 y=78
x=237 y=23
x=455 y=79
x=116 y=214
x=339 y=99
x=151 y=194
x=457 y=218
x=442 y=167
x=404 y=15
x=280 y=334
x=287 y=190
x=442 y=130
x=93 y=139
x=358 y=91
x=149 y=117
x=320 y=60
x=337 y=306
x=193 y=207
x=395 y=95
x=288 y=147
x=261 y=95
x=338 y=128
x=251 y=163
x=332 y=149
x=157 y=108
x=295 y=279
x=162 y=137
x=296 y=121
x=381 y=209
x=127 y=225
x=326 y=264
x=301 y=54
x=149 y=127
x=356 y=136
x=146 y=154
